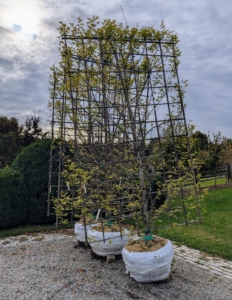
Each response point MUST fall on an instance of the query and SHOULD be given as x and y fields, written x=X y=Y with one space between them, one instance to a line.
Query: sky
x=29 y=47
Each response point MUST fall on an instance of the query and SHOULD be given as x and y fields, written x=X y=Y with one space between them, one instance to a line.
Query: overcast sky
x=29 y=43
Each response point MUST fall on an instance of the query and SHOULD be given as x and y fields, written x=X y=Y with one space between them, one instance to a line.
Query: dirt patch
x=146 y=246
x=66 y=231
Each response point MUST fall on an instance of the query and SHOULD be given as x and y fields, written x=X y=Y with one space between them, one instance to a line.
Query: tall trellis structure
x=119 y=127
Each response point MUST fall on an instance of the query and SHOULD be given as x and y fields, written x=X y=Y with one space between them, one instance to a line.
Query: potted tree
x=116 y=89
x=108 y=239
x=148 y=259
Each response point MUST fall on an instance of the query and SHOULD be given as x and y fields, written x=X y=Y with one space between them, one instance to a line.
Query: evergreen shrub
x=33 y=163
x=13 y=198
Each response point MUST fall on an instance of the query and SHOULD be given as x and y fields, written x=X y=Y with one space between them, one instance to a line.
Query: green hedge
x=33 y=163
x=13 y=198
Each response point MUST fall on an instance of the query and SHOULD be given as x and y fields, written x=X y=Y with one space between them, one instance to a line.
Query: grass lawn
x=30 y=229
x=214 y=235
x=211 y=182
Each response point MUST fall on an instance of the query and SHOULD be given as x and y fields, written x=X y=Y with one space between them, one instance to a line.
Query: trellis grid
x=118 y=114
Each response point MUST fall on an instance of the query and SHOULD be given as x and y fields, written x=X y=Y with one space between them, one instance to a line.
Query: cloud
x=17 y=27
x=205 y=41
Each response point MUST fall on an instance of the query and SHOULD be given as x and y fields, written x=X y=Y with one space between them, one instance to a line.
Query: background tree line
x=14 y=137
x=210 y=151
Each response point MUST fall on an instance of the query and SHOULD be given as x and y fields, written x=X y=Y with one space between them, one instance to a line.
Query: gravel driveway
x=56 y=270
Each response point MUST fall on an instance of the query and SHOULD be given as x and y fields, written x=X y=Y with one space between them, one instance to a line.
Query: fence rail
x=215 y=177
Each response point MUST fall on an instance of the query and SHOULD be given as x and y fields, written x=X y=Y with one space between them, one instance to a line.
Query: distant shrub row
x=24 y=186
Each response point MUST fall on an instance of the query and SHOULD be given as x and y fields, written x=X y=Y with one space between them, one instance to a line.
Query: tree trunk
x=230 y=172
x=143 y=194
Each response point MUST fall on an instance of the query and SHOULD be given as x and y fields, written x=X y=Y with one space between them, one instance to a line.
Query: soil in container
x=111 y=228
x=146 y=246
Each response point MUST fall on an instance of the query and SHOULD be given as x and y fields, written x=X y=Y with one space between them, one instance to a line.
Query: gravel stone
x=47 y=270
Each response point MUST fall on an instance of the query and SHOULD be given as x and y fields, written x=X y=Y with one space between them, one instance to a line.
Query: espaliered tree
x=115 y=89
